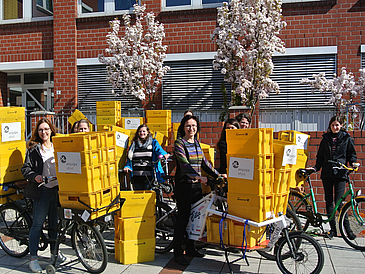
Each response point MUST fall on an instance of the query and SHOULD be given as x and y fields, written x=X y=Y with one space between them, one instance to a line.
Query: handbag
x=32 y=191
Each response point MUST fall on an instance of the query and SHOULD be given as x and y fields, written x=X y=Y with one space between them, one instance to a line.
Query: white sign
x=69 y=162
x=302 y=141
x=132 y=123
x=290 y=155
x=196 y=224
x=11 y=131
x=121 y=139
x=241 y=168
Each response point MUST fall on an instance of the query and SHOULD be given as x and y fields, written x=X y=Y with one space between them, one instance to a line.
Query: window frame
x=195 y=4
x=109 y=9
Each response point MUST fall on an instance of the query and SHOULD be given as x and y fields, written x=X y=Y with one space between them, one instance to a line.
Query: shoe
x=351 y=235
x=194 y=253
x=60 y=258
x=35 y=267
x=332 y=234
x=181 y=260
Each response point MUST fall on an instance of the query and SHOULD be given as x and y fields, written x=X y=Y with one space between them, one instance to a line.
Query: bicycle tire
x=309 y=257
x=165 y=224
x=294 y=224
x=14 y=230
x=357 y=228
x=300 y=206
x=89 y=247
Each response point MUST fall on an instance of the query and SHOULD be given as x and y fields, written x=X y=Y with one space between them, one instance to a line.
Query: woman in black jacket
x=336 y=145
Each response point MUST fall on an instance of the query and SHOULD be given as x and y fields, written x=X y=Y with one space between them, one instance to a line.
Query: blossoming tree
x=246 y=38
x=343 y=91
x=135 y=61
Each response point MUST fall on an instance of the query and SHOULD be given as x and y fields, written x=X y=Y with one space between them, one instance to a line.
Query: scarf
x=139 y=144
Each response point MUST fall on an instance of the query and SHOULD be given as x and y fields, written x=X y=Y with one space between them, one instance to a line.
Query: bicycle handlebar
x=339 y=165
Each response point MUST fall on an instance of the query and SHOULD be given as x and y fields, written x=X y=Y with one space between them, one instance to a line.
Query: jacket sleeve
x=28 y=168
x=158 y=150
x=320 y=156
x=351 y=153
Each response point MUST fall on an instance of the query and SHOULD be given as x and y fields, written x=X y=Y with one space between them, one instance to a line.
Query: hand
x=126 y=170
x=202 y=179
x=38 y=179
x=167 y=156
x=223 y=175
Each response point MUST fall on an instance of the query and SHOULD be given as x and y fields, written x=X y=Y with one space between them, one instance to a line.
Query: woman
x=222 y=143
x=39 y=162
x=188 y=190
x=84 y=126
x=186 y=112
x=142 y=158
x=336 y=145
x=244 y=119
x=75 y=127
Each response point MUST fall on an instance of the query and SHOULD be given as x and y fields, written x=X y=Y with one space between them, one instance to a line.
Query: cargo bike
x=294 y=252
x=86 y=239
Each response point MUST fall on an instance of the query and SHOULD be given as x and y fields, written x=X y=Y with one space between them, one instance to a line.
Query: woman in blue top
x=143 y=155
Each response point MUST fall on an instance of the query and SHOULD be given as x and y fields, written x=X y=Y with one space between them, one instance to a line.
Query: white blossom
x=135 y=61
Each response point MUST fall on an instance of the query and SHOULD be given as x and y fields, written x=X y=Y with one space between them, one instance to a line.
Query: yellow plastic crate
x=12 y=114
x=137 y=228
x=158 y=113
x=140 y=203
x=159 y=120
x=77 y=115
x=109 y=154
x=281 y=148
x=248 y=206
x=11 y=173
x=282 y=180
x=90 y=180
x=90 y=157
x=108 y=104
x=299 y=138
x=12 y=153
x=110 y=169
x=12 y=131
x=9 y=194
x=250 y=141
x=135 y=251
x=262 y=183
x=213 y=233
x=160 y=137
x=302 y=157
x=108 y=112
x=131 y=123
x=280 y=202
x=96 y=200
x=160 y=127
x=254 y=235
x=76 y=142
x=108 y=120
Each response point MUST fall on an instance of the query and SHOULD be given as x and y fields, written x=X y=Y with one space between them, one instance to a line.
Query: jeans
x=45 y=205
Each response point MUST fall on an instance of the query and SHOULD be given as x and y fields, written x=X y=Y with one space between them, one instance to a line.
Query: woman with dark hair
x=188 y=190
x=142 y=158
x=75 y=127
x=244 y=119
x=39 y=163
x=336 y=145
x=222 y=143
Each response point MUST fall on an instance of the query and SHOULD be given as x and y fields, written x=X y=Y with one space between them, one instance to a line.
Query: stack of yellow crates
x=87 y=171
x=135 y=228
x=159 y=120
x=250 y=162
x=13 y=148
x=108 y=113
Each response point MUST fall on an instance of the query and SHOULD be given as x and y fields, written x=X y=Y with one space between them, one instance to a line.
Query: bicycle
x=86 y=239
x=306 y=208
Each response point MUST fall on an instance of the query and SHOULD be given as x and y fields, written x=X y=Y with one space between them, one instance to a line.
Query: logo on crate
x=13 y=170
x=242 y=134
x=288 y=152
x=63 y=159
x=235 y=164
x=6 y=129
x=67 y=141
x=243 y=199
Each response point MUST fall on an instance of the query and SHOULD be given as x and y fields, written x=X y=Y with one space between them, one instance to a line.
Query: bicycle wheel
x=301 y=206
x=89 y=247
x=165 y=224
x=308 y=257
x=294 y=224
x=357 y=227
x=14 y=230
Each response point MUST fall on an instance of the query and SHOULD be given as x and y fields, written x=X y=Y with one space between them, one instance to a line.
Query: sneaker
x=60 y=258
x=35 y=267
x=351 y=235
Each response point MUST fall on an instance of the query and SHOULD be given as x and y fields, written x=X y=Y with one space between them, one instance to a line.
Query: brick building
x=48 y=58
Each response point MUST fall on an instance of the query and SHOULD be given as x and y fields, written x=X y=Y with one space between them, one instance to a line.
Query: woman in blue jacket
x=143 y=156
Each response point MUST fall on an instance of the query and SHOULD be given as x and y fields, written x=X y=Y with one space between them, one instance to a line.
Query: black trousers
x=339 y=186
x=186 y=195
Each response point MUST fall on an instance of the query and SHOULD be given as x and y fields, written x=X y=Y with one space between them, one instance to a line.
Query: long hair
x=35 y=139
x=184 y=120
x=333 y=119
x=136 y=136
x=223 y=132
x=240 y=116
x=74 y=127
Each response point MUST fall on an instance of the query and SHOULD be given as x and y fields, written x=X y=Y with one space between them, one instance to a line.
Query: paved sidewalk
x=339 y=258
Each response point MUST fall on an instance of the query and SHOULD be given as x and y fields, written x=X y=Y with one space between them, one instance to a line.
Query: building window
x=42 y=8
x=19 y=11
x=12 y=9
x=89 y=8
x=168 y=5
